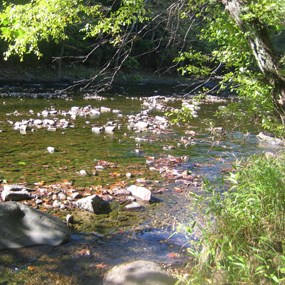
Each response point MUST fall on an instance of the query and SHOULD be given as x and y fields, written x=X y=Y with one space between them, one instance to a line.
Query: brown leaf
x=101 y=266
x=173 y=255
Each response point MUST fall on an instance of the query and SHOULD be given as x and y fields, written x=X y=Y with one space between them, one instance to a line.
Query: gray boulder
x=138 y=272
x=93 y=204
x=22 y=226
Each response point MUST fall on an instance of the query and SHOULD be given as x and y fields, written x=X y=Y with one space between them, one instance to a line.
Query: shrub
x=244 y=229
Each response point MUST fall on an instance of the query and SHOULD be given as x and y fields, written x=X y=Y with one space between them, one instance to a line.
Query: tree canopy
x=241 y=42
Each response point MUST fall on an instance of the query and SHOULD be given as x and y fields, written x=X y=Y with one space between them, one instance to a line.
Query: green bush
x=244 y=229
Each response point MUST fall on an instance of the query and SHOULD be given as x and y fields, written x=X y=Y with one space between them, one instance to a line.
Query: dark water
x=150 y=233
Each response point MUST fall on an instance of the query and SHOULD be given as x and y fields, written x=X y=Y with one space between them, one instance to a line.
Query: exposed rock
x=141 y=125
x=92 y=204
x=50 y=149
x=270 y=139
x=110 y=129
x=82 y=172
x=140 y=192
x=97 y=129
x=138 y=272
x=22 y=226
x=105 y=109
x=129 y=175
x=15 y=193
x=122 y=192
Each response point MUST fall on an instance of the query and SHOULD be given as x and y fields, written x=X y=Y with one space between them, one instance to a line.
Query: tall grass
x=243 y=232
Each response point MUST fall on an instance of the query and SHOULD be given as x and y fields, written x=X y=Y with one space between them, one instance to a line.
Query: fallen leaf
x=173 y=255
x=101 y=266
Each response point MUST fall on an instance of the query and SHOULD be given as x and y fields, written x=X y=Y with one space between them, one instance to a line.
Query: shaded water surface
x=101 y=241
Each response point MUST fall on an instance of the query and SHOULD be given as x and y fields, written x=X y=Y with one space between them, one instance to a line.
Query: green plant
x=180 y=115
x=245 y=244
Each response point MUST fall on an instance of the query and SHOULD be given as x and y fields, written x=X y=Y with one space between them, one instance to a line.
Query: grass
x=243 y=229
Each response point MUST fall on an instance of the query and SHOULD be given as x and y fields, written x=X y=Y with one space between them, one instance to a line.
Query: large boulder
x=138 y=272
x=22 y=226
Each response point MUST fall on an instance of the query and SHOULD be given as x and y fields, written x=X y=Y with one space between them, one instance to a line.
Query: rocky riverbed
x=116 y=170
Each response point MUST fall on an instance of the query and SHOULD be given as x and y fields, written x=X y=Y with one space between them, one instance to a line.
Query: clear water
x=100 y=242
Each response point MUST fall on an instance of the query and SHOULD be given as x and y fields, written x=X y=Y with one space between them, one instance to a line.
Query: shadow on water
x=86 y=258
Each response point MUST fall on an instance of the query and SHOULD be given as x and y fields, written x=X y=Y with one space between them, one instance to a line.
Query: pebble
x=50 y=149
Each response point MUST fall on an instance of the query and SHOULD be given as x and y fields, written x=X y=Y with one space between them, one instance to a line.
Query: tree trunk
x=260 y=44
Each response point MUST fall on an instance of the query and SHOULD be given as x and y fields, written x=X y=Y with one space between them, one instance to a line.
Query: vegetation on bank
x=243 y=228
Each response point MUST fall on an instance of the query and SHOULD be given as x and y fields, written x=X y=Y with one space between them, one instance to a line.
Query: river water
x=101 y=241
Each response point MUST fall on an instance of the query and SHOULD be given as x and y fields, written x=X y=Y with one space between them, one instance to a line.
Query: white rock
x=110 y=129
x=105 y=109
x=61 y=196
x=82 y=172
x=38 y=122
x=129 y=175
x=48 y=122
x=140 y=192
x=56 y=204
x=50 y=149
x=141 y=125
x=51 y=129
x=97 y=130
x=94 y=113
x=45 y=113
x=270 y=140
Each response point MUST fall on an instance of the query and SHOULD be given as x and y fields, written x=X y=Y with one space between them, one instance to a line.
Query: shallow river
x=162 y=159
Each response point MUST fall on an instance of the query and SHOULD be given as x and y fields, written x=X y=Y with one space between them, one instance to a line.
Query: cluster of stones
x=53 y=120
x=168 y=168
x=49 y=120
x=143 y=122
x=69 y=198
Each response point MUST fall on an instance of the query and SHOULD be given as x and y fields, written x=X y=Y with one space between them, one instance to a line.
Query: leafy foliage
x=24 y=26
x=247 y=239
x=237 y=65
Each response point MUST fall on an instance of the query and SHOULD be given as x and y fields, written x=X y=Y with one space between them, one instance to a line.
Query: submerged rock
x=22 y=226
x=138 y=272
